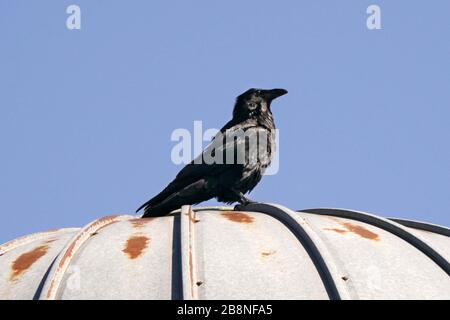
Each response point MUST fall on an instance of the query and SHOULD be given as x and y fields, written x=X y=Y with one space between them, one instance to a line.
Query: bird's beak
x=274 y=93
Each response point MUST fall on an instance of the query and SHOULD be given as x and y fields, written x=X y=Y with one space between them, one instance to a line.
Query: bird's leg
x=243 y=200
x=246 y=201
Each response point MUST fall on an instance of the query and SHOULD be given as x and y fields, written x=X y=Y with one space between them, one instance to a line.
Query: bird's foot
x=243 y=203
x=243 y=200
x=247 y=201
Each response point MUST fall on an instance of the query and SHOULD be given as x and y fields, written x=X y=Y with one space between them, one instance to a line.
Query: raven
x=228 y=179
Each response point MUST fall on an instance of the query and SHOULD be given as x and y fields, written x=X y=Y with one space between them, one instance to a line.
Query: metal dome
x=262 y=252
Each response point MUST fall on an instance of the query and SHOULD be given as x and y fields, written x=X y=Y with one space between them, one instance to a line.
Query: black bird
x=231 y=165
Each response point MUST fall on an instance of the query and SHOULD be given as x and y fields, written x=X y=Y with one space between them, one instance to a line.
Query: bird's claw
x=243 y=204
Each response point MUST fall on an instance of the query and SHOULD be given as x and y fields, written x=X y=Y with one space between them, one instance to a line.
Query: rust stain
x=356 y=229
x=102 y=222
x=341 y=231
x=68 y=254
x=52 y=230
x=4 y=248
x=26 y=260
x=141 y=222
x=239 y=217
x=191 y=270
x=268 y=253
x=361 y=231
x=135 y=246
x=192 y=218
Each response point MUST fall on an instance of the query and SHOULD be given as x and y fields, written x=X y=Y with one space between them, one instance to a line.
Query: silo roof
x=262 y=251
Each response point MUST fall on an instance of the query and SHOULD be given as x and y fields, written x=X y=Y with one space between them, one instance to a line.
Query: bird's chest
x=260 y=154
x=259 y=158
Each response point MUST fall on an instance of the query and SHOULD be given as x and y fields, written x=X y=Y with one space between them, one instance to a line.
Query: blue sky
x=86 y=115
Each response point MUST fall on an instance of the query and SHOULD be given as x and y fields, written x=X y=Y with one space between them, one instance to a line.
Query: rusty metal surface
x=188 y=254
x=247 y=255
x=331 y=274
x=438 y=241
x=61 y=264
x=13 y=244
x=24 y=264
x=263 y=252
x=378 y=264
x=434 y=228
x=130 y=259
x=393 y=227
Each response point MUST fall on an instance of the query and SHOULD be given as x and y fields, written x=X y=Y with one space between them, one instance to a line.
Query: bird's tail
x=158 y=211
x=144 y=205
x=191 y=194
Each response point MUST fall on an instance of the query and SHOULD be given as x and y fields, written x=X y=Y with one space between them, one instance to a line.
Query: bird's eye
x=258 y=92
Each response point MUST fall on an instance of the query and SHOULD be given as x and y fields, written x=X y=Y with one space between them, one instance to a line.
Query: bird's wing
x=222 y=143
x=202 y=165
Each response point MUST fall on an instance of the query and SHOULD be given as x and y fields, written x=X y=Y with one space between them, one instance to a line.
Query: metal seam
x=336 y=266
x=177 y=271
x=188 y=261
x=423 y=226
x=390 y=226
x=62 y=263
x=308 y=244
x=16 y=243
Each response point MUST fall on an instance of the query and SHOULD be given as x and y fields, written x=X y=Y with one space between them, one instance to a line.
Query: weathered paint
x=135 y=246
x=253 y=257
x=193 y=216
x=74 y=245
x=341 y=231
x=355 y=229
x=192 y=219
x=26 y=260
x=188 y=226
x=140 y=222
x=85 y=234
x=239 y=217
x=361 y=231
x=268 y=253
x=16 y=243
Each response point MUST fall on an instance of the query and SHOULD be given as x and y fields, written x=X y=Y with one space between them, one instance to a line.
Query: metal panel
x=247 y=255
x=61 y=265
x=423 y=226
x=393 y=227
x=13 y=244
x=188 y=254
x=264 y=251
x=379 y=264
x=126 y=260
x=23 y=265
x=331 y=274
x=437 y=241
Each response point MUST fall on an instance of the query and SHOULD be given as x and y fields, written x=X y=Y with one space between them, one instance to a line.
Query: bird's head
x=255 y=102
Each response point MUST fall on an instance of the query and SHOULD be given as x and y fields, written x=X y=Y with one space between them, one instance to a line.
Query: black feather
x=228 y=182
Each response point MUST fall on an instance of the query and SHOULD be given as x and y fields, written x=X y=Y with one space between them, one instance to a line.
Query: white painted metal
x=217 y=253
